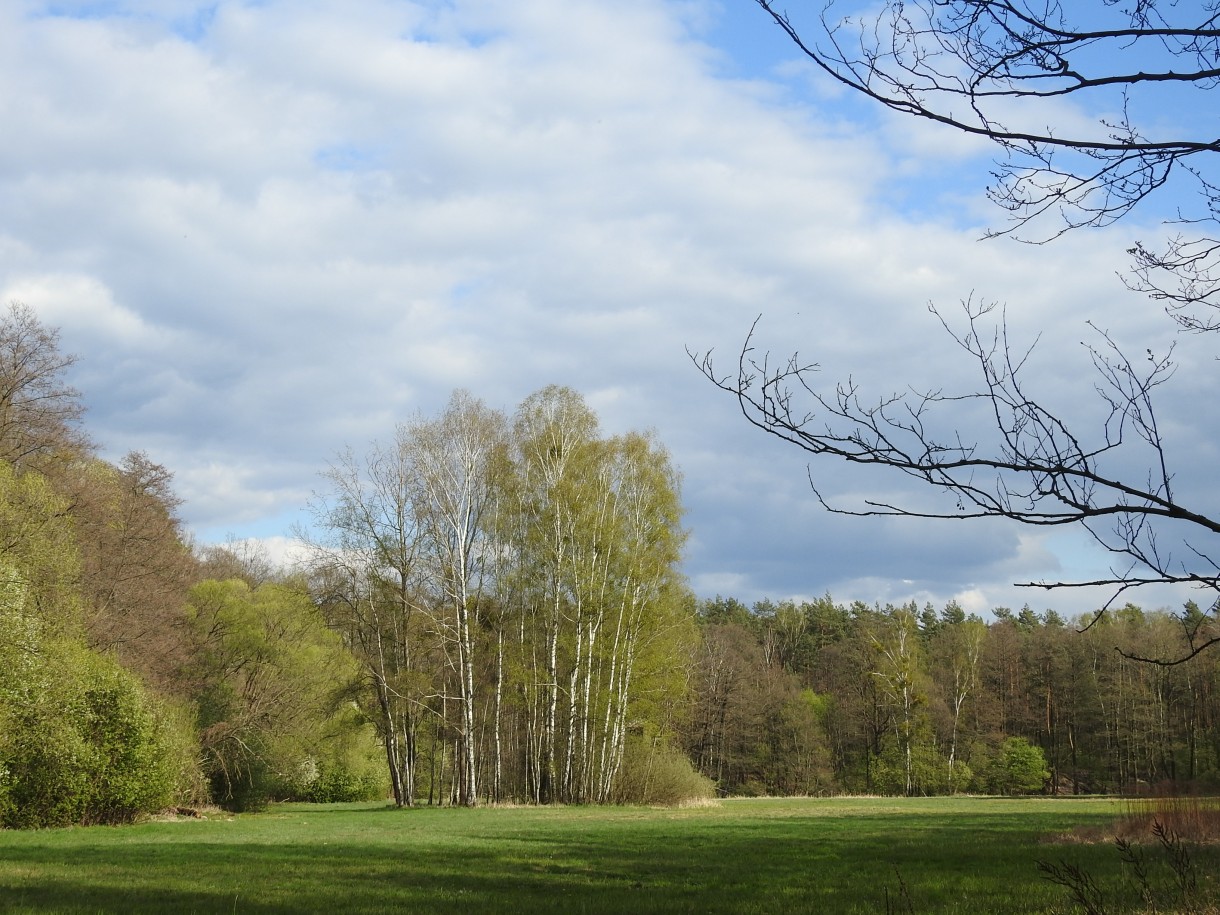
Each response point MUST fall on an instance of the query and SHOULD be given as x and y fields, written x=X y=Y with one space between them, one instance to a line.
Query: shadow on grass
x=448 y=862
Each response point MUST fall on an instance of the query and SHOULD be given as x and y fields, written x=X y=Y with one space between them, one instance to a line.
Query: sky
x=273 y=229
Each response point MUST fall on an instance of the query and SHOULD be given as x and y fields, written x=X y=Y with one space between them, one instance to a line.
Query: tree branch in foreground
x=1026 y=463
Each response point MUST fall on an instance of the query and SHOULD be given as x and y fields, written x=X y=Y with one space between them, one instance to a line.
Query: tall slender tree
x=458 y=461
x=365 y=557
x=555 y=435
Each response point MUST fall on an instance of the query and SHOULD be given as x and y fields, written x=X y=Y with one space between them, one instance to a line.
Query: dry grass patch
x=1159 y=841
x=1194 y=819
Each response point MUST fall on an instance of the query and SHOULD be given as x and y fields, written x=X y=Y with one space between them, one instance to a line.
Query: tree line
x=824 y=697
x=490 y=609
x=908 y=700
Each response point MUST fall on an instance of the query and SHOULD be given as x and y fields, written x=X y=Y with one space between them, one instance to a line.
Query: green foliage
x=1016 y=767
x=655 y=773
x=798 y=760
x=81 y=741
x=341 y=786
x=272 y=682
x=724 y=610
x=84 y=743
x=38 y=558
x=349 y=766
x=956 y=685
x=929 y=771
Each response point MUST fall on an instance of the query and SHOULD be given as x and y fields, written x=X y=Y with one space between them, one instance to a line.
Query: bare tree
x=39 y=411
x=994 y=69
x=365 y=570
x=135 y=565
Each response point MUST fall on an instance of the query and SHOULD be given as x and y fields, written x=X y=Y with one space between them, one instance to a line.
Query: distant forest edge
x=820 y=697
x=491 y=610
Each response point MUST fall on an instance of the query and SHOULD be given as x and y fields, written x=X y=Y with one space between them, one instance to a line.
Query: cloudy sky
x=273 y=229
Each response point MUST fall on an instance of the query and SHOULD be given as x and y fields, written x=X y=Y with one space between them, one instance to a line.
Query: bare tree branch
x=988 y=68
x=1031 y=468
x=1001 y=70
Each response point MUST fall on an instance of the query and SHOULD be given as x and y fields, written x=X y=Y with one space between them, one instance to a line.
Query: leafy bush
x=84 y=743
x=1015 y=767
x=342 y=786
x=658 y=774
x=133 y=764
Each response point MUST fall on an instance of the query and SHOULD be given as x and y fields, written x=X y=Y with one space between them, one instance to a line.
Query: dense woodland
x=491 y=610
x=823 y=697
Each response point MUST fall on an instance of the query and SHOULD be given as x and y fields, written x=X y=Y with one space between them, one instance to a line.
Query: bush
x=84 y=743
x=343 y=786
x=1015 y=767
x=133 y=766
x=320 y=782
x=655 y=773
x=238 y=774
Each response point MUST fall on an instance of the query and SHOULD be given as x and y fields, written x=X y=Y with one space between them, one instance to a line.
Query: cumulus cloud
x=273 y=230
x=85 y=304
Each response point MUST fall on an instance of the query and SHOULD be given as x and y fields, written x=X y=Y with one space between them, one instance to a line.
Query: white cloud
x=85 y=304
x=276 y=229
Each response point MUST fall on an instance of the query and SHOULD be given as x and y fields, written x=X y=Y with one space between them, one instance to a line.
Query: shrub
x=342 y=786
x=1017 y=767
x=132 y=769
x=653 y=772
x=84 y=743
x=238 y=774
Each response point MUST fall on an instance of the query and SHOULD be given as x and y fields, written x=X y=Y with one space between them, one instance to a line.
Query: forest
x=491 y=609
x=822 y=697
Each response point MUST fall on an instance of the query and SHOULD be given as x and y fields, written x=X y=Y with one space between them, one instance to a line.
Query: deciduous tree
x=271 y=682
x=365 y=560
x=136 y=566
x=458 y=465
x=39 y=411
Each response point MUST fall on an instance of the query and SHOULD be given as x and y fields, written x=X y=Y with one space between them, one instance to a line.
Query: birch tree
x=649 y=627
x=458 y=462
x=897 y=673
x=554 y=437
x=366 y=567
x=960 y=644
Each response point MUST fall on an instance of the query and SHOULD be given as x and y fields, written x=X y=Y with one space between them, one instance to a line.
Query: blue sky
x=273 y=230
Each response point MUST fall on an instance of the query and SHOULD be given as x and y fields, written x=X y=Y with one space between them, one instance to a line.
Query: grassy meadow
x=765 y=855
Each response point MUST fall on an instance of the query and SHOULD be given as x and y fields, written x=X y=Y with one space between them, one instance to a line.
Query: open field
x=821 y=855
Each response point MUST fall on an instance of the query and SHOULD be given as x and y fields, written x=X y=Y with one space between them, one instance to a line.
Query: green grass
x=835 y=855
